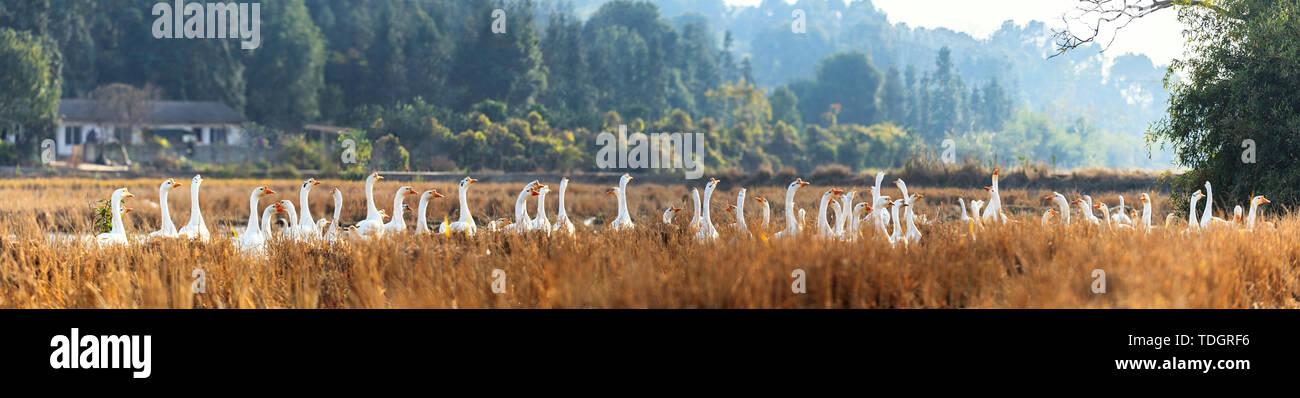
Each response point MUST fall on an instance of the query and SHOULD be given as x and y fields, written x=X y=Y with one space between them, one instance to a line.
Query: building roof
x=164 y=112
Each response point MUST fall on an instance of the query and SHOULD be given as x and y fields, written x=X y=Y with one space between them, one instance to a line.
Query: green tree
x=1242 y=93
x=291 y=59
x=30 y=88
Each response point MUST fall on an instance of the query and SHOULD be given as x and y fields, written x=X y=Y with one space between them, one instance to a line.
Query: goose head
x=624 y=179
x=713 y=183
x=1146 y=199
x=384 y=214
x=1259 y=200
x=541 y=190
x=861 y=207
x=405 y=191
x=612 y=191
x=1197 y=195
x=731 y=208
x=122 y=193
x=1236 y=214
x=464 y=183
x=279 y=207
x=168 y=185
x=309 y=183
x=197 y=180
x=760 y=199
x=431 y=194
x=263 y=191
x=798 y=182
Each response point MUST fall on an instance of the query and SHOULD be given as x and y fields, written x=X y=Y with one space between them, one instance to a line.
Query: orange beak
x=378 y=177
x=610 y=191
x=411 y=192
x=731 y=207
x=126 y=210
x=128 y=195
x=988 y=188
x=471 y=181
x=268 y=190
x=677 y=209
x=315 y=183
x=176 y=185
x=436 y=194
x=1264 y=200
x=836 y=192
x=867 y=208
x=802 y=183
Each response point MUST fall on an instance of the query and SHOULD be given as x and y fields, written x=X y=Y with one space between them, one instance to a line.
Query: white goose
x=541 y=222
x=1254 y=203
x=791 y=227
x=738 y=209
x=167 y=230
x=697 y=218
x=994 y=210
x=253 y=240
x=422 y=223
x=767 y=212
x=913 y=235
x=624 y=219
x=897 y=235
x=373 y=225
x=116 y=236
x=1193 y=223
x=707 y=231
x=881 y=211
x=1207 y=215
x=333 y=234
x=669 y=213
x=293 y=232
x=398 y=224
x=1120 y=215
x=1062 y=204
x=1146 y=211
x=855 y=220
x=522 y=222
x=268 y=214
x=466 y=223
x=975 y=206
x=562 y=223
x=965 y=219
x=823 y=228
x=306 y=226
x=196 y=228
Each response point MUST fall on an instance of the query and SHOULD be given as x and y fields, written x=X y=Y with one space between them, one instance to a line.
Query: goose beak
x=176 y=185
x=315 y=183
x=267 y=190
x=126 y=210
x=988 y=188
x=436 y=194
x=610 y=191
x=1264 y=200
x=128 y=195
x=472 y=180
x=676 y=209
x=836 y=192
x=803 y=183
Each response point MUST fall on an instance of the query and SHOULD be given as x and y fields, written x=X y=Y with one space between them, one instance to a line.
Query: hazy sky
x=1158 y=35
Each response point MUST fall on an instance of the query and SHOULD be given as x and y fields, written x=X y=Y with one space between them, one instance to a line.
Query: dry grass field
x=1021 y=265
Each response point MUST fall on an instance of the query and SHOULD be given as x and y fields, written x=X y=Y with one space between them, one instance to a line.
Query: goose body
x=791 y=226
x=167 y=229
x=466 y=223
x=562 y=223
x=373 y=225
x=707 y=231
x=196 y=228
x=334 y=234
x=116 y=236
x=398 y=223
x=253 y=239
x=306 y=226
x=541 y=222
x=421 y=214
x=624 y=219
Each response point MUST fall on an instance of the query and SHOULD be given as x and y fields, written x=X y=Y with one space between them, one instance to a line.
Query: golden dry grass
x=655 y=266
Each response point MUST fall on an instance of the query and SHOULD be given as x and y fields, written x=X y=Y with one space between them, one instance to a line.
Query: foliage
x=1244 y=84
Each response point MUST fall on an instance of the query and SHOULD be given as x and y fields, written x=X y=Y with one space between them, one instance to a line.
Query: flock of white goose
x=880 y=213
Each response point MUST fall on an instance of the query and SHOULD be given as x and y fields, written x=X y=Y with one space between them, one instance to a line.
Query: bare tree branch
x=125 y=104
x=1091 y=18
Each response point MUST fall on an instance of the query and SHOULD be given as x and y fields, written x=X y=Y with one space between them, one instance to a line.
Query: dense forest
x=428 y=85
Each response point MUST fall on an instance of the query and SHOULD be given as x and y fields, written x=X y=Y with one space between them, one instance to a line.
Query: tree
x=125 y=104
x=892 y=97
x=1234 y=121
x=30 y=88
x=501 y=66
x=292 y=60
x=850 y=80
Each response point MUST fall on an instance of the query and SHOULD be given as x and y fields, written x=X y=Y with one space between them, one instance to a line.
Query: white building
x=180 y=122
